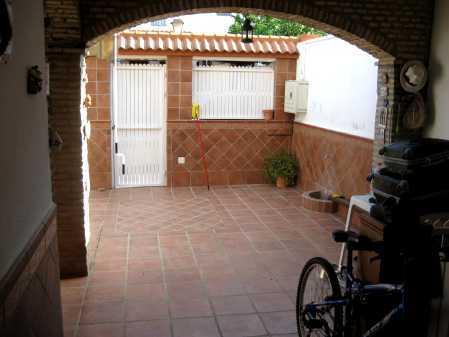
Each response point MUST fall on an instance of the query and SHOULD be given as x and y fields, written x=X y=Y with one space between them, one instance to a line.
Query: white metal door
x=139 y=126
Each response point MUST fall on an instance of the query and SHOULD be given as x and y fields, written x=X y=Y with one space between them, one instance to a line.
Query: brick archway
x=389 y=30
x=365 y=38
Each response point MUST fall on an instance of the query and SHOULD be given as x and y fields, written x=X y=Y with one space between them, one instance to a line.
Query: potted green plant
x=281 y=168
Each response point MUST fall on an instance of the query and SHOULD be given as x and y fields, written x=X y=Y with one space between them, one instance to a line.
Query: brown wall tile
x=32 y=308
x=186 y=88
x=173 y=114
x=234 y=150
x=186 y=101
x=99 y=143
x=331 y=161
x=173 y=102
x=173 y=76
x=173 y=88
x=186 y=76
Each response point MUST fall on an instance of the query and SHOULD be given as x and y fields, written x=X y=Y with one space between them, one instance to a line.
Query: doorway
x=139 y=125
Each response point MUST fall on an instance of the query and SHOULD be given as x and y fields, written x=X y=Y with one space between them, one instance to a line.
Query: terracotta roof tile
x=188 y=42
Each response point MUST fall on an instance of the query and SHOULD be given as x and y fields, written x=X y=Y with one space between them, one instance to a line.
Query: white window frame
x=252 y=90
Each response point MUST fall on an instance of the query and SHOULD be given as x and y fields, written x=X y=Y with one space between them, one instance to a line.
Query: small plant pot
x=268 y=114
x=280 y=182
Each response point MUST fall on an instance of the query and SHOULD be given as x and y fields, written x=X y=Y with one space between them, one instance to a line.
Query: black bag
x=415 y=177
x=416 y=154
x=411 y=183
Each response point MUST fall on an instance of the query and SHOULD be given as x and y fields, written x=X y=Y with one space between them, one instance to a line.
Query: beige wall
x=439 y=73
x=24 y=158
x=439 y=127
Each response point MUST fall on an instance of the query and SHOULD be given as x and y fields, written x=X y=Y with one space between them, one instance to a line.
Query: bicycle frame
x=355 y=288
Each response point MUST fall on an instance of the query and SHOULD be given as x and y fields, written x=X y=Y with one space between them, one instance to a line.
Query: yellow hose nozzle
x=195 y=111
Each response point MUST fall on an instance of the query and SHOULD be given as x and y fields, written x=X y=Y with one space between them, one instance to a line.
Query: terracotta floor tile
x=243 y=246
x=241 y=326
x=144 y=240
x=280 y=322
x=157 y=328
x=263 y=246
x=226 y=305
x=195 y=327
x=224 y=287
x=103 y=278
x=102 y=313
x=272 y=302
x=186 y=290
x=107 y=254
x=190 y=307
x=110 y=265
x=289 y=282
x=182 y=275
x=145 y=310
x=145 y=264
x=145 y=291
x=262 y=284
x=170 y=252
x=102 y=330
x=144 y=276
x=143 y=252
x=216 y=260
x=105 y=294
x=253 y=227
x=181 y=262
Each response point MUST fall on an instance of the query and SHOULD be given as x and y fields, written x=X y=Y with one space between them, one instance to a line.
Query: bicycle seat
x=357 y=241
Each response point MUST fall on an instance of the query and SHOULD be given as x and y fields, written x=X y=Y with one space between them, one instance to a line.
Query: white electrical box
x=296 y=96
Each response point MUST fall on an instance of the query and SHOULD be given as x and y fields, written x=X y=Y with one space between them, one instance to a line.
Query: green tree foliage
x=267 y=25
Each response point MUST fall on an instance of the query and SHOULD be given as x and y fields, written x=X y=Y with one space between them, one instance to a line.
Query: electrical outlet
x=181 y=160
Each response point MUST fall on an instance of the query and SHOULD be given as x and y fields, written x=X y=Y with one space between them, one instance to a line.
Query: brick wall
x=66 y=164
x=331 y=161
x=399 y=27
x=392 y=30
x=98 y=113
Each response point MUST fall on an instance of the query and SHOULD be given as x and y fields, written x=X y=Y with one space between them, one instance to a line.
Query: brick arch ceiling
x=124 y=15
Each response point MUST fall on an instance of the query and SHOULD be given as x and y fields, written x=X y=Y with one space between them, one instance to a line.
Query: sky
x=210 y=23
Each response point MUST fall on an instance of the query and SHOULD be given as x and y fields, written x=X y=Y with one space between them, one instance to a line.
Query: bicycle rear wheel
x=318 y=283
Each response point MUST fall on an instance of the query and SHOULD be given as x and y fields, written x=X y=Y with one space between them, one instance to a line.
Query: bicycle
x=332 y=309
x=336 y=313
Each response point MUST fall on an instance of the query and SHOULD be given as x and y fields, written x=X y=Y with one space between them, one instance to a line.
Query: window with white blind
x=233 y=91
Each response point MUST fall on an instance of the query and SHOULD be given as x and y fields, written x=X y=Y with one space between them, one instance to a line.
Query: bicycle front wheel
x=315 y=316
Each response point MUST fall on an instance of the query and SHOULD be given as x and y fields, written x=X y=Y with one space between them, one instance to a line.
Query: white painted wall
x=439 y=73
x=343 y=86
x=25 y=190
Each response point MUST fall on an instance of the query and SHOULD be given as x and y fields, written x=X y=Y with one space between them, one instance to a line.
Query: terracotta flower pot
x=280 y=182
x=268 y=114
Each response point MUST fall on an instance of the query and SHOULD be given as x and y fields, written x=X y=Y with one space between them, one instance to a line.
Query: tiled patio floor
x=186 y=262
